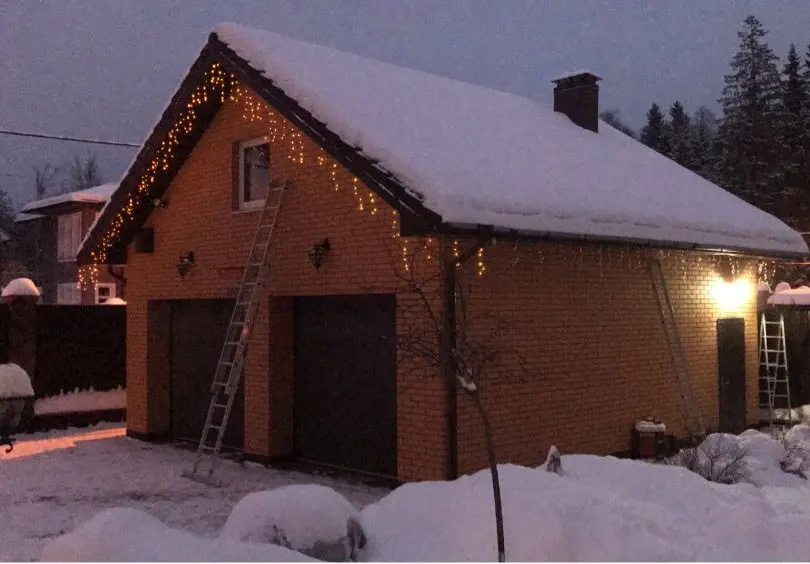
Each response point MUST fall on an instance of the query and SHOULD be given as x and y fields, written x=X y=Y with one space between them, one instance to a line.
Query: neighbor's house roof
x=96 y=195
x=455 y=157
x=25 y=217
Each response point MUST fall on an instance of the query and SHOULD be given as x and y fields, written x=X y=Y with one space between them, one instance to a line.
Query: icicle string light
x=284 y=137
x=280 y=134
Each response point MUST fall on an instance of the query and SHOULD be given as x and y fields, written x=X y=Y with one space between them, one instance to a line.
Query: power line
x=16 y=175
x=66 y=138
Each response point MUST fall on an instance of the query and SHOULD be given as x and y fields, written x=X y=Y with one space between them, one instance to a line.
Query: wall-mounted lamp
x=159 y=203
x=185 y=263
x=318 y=253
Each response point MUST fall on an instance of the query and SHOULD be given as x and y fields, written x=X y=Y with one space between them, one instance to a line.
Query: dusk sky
x=105 y=69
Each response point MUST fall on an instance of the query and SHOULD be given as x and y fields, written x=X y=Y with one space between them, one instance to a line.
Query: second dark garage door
x=198 y=331
x=345 y=382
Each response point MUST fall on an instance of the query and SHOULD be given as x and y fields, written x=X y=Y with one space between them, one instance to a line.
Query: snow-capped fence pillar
x=22 y=296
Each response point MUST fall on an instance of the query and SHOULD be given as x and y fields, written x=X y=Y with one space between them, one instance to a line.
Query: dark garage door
x=198 y=330
x=345 y=382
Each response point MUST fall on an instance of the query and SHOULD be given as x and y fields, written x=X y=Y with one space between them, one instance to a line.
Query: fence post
x=22 y=338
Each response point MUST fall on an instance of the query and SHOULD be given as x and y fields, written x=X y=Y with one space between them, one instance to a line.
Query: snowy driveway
x=52 y=482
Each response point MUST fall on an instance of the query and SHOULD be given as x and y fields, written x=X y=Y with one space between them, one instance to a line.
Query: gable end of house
x=415 y=217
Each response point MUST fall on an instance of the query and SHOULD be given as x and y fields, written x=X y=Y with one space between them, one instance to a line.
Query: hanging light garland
x=217 y=83
x=280 y=133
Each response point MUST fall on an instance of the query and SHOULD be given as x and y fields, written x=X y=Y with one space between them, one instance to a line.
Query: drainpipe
x=448 y=338
x=449 y=320
x=120 y=277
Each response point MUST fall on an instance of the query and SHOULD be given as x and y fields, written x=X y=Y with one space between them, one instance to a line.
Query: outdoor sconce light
x=185 y=263
x=318 y=252
x=158 y=203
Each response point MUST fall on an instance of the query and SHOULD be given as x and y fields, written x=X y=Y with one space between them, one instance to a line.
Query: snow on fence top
x=480 y=156
x=97 y=194
x=20 y=287
x=14 y=382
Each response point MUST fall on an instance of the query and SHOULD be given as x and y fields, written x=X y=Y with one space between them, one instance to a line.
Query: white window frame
x=252 y=204
x=68 y=238
x=74 y=296
x=105 y=285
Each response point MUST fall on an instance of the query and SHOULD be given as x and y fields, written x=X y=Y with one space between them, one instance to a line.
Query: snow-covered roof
x=480 y=156
x=24 y=217
x=573 y=73
x=97 y=195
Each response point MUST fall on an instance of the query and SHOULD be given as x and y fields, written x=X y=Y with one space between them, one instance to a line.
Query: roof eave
x=507 y=233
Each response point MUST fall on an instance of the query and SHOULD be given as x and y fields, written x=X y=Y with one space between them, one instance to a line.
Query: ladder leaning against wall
x=228 y=373
x=774 y=381
x=690 y=409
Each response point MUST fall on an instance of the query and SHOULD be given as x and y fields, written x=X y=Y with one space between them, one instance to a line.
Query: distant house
x=551 y=220
x=53 y=229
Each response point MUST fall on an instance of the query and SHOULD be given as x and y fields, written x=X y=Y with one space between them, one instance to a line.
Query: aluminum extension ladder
x=692 y=416
x=773 y=367
x=228 y=374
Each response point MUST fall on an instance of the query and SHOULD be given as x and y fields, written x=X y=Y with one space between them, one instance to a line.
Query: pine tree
x=680 y=141
x=792 y=135
x=655 y=134
x=749 y=163
x=703 y=136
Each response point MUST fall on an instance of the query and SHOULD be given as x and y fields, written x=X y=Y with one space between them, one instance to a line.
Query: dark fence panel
x=4 y=332
x=79 y=347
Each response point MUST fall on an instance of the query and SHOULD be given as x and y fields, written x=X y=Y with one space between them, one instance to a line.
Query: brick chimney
x=576 y=95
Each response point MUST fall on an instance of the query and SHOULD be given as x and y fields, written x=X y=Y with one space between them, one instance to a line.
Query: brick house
x=546 y=218
x=53 y=229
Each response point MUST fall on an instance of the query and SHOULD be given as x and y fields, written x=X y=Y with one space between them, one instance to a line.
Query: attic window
x=254 y=173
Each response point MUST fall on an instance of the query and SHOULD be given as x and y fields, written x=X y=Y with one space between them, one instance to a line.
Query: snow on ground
x=53 y=482
x=599 y=508
x=82 y=400
x=130 y=535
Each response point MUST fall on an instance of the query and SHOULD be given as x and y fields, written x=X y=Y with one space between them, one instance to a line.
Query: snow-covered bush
x=312 y=519
x=796 y=443
x=719 y=458
x=129 y=535
x=14 y=382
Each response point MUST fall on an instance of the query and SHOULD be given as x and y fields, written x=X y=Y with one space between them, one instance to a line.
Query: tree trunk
x=493 y=467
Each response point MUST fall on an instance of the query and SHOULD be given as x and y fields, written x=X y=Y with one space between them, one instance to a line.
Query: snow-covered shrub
x=796 y=443
x=14 y=382
x=719 y=458
x=312 y=519
x=129 y=535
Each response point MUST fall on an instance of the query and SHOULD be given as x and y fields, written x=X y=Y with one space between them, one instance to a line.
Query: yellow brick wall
x=582 y=348
x=582 y=353
x=200 y=216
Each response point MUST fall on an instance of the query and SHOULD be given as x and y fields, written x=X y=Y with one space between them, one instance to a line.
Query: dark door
x=345 y=382
x=731 y=365
x=198 y=331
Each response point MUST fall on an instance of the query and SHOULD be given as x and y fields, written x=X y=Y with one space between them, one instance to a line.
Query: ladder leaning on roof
x=228 y=373
x=692 y=415
x=773 y=367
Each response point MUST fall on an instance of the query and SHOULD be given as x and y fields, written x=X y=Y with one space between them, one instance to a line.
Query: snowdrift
x=130 y=535
x=598 y=509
